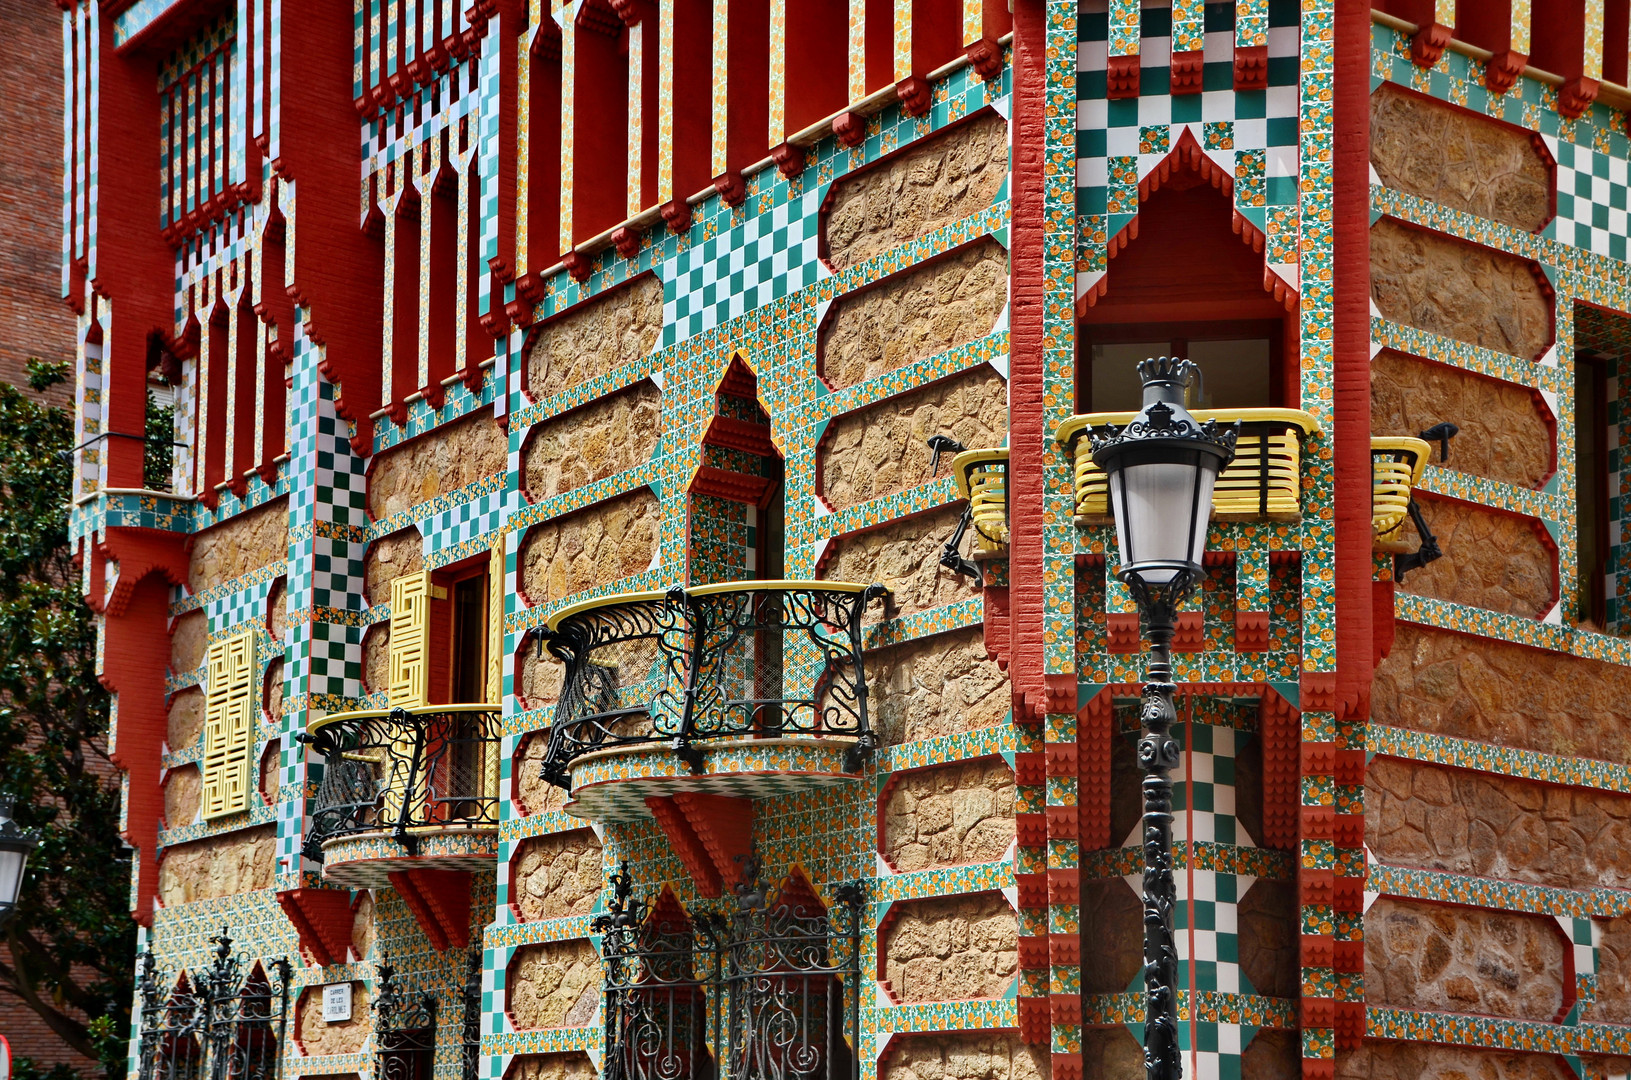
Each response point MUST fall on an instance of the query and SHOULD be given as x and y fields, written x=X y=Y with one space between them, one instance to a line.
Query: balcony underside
x=613 y=785
x=366 y=860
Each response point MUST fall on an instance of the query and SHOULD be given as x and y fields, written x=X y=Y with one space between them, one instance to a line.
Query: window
x=1242 y=363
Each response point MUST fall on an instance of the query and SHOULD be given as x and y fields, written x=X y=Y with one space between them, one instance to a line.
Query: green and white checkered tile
x=1592 y=190
x=746 y=266
x=239 y=606
x=468 y=520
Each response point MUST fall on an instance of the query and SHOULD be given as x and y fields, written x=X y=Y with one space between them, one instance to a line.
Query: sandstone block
x=277 y=609
x=186 y=720
x=1268 y=941
x=390 y=557
x=537 y=678
x=1464 y=960
x=1503 y=436
x=950 y=815
x=614 y=329
x=532 y=794
x=914 y=314
x=935 y=686
x=555 y=985
x=1464 y=161
x=436 y=463
x=189 y=637
x=593 y=546
x=884 y=448
x=593 y=442
x=362 y=926
x=1112 y=919
x=574 y=1066
x=272 y=691
x=905 y=556
x=1425 y=1061
x=952 y=949
x=316 y=1036
x=1449 y=684
x=217 y=866
x=558 y=875
x=1111 y=1053
x=1460 y=290
x=973 y=1055
x=376 y=657
x=183 y=794
x=249 y=541
x=1492 y=560
x=1493 y=826
x=1273 y=1055
x=937 y=181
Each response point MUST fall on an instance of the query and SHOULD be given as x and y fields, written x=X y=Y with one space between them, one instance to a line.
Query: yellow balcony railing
x=1397 y=464
x=982 y=479
x=1262 y=482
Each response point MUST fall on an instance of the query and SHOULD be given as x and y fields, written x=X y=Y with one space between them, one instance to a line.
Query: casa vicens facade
x=617 y=582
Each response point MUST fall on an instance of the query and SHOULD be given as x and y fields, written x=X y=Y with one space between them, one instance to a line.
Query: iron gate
x=223 y=1022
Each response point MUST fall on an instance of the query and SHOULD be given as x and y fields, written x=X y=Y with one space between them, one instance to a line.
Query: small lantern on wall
x=16 y=845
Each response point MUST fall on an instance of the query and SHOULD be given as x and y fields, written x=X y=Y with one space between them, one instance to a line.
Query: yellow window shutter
x=411 y=595
x=229 y=724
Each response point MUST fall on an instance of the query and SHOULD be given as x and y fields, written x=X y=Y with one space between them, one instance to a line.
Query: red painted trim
x=322 y=918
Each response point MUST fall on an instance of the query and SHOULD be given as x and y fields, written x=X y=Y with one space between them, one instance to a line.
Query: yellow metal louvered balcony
x=982 y=479
x=1263 y=482
x=1397 y=465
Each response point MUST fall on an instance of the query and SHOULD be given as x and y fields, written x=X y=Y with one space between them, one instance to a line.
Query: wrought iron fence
x=730 y=660
x=402 y=770
x=223 y=1022
x=779 y=979
x=404 y=1029
x=471 y=1036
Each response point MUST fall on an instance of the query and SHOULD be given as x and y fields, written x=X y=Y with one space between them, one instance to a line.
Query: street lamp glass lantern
x=15 y=847
x=1161 y=469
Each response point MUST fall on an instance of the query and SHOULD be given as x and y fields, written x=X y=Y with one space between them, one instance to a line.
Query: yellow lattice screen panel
x=229 y=724
x=410 y=638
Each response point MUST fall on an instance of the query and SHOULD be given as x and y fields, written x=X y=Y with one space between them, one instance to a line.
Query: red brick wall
x=33 y=319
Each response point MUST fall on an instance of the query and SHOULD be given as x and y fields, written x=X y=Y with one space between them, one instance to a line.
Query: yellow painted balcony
x=1397 y=464
x=982 y=479
x=1262 y=483
x=408 y=783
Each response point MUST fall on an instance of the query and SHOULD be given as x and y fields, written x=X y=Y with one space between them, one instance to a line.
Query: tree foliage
x=72 y=940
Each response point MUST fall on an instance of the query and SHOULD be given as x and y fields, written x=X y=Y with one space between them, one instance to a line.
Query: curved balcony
x=1262 y=483
x=404 y=787
x=1397 y=465
x=743 y=688
x=982 y=479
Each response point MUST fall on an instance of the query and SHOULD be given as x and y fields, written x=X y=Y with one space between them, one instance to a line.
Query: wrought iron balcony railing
x=404 y=771
x=226 y=1021
x=1397 y=464
x=982 y=479
x=1263 y=481
x=735 y=660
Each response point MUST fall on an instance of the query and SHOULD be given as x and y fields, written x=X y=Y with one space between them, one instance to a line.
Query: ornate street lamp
x=15 y=846
x=1161 y=469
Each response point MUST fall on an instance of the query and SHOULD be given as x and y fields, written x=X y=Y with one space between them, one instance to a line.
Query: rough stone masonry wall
x=884 y=448
x=533 y=794
x=437 y=463
x=1451 y=684
x=317 y=1036
x=935 y=686
x=558 y=875
x=937 y=181
x=905 y=556
x=988 y=1055
x=593 y=442
x=937 y=306
x=593 y=546
x=1466 y=960
x=218 y=866
x=1493 y=560
x=590 y=340
x=186 y=719
x=397 y=555
x=183 y=794
x=1457 y=159
x=1465 y=822
x=950 y=815
x=1425 y=1061
x=554 y=985
x=256 y=538
x=1267 y=918
x=1448 y=286
x=189 y=636
x=1613 y=1004
x=953 y=948
x=574 y=1066
x=1502 y=436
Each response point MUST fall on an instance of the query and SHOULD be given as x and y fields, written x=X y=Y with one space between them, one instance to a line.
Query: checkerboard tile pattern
x=1592 y=193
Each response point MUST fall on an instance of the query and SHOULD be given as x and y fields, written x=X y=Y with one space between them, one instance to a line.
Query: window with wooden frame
x=230 y=705
x=447 y=633
x=1242 y=363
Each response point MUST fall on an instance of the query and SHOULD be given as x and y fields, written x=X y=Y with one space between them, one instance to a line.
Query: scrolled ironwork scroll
x=405 y=1028
x=226 y=1021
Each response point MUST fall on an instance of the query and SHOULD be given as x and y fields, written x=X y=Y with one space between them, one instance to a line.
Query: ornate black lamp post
x=1161 y=470
x=15 y=846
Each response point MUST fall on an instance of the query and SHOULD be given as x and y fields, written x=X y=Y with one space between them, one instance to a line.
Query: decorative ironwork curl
x=404 y=770
x=689 y=666
x=405 y=1027
x=224 y=1022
